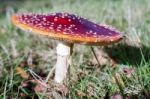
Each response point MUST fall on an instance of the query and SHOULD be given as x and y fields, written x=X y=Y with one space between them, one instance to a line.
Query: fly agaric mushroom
x=68 y=29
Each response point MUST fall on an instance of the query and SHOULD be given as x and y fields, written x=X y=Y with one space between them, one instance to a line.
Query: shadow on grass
x=131 y=55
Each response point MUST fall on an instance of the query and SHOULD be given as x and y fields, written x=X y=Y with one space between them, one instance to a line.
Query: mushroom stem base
x=63 y=53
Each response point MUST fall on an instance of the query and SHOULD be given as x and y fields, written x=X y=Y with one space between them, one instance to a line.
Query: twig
x=92 y=49
x=36 y=77
x=49 y=74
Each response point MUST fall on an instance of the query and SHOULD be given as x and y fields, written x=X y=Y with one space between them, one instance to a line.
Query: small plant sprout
x=68 y=29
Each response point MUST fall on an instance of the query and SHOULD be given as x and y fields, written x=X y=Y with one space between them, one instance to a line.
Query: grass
x=26 y=50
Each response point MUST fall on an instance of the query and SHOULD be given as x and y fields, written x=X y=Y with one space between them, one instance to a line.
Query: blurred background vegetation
x=26 y=58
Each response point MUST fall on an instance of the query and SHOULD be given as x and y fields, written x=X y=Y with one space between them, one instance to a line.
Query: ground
x=26 y=58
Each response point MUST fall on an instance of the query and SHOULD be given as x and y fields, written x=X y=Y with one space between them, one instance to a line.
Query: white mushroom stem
x=63 y=53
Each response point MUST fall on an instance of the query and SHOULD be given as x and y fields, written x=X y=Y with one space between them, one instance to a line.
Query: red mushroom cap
x=67 y=27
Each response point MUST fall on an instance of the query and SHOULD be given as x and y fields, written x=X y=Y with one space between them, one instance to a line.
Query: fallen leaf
x=40 y=87
x=62 y=89
x=116 y=96
x=128 y=72
x=35 y=85
x=22 y=73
